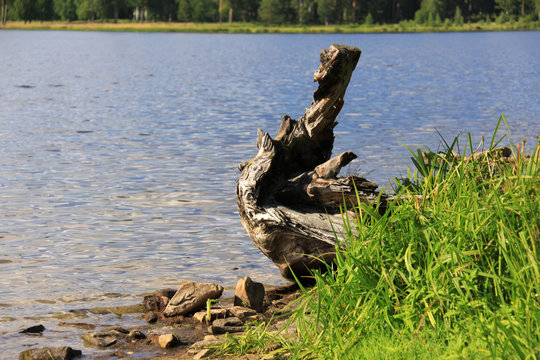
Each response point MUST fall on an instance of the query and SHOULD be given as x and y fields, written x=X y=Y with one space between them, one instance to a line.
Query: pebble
x=167 y=341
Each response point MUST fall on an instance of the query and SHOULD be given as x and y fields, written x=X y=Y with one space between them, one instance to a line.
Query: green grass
x=450 y=274
x=405 y=26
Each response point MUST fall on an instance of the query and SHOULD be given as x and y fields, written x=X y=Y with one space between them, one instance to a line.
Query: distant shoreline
x=254 y=28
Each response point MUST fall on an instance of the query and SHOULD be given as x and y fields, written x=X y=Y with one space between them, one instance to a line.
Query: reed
x=449 y=271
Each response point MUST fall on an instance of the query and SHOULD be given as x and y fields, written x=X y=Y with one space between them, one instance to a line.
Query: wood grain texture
x=289 y=194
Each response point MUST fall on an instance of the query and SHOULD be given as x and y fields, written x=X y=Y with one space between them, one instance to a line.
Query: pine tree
x=458 y=19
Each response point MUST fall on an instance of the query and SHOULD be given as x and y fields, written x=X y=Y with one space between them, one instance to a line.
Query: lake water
x=119 y=151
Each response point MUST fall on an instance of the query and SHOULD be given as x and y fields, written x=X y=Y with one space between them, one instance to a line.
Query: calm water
x=119 y=150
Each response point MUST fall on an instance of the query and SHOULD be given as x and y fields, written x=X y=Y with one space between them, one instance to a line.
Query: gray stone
x=204 y=353
x=191 y=297
x=241 y=312
x=48 y=353
x=231 y=321
x=105 y=338
x=214 y=314
x=216 y=330
x=250 y=294
x=228 y=325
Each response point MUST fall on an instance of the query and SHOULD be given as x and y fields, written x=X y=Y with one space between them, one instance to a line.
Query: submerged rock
x=84 y=326
x=250 y=294
x=37 y=329
x=190 y=297
x=48 y=353
x=105 y=338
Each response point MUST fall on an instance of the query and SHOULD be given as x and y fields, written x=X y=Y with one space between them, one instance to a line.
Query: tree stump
x=289 y=195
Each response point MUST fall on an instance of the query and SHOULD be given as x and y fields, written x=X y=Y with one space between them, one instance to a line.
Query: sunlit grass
x=237 y=27
x=450 y=271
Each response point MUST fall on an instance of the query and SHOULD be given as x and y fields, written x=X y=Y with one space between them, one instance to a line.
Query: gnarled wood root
x=289 y=194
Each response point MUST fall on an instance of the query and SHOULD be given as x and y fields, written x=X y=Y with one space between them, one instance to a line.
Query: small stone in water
x=37 y=329
x=136 y=335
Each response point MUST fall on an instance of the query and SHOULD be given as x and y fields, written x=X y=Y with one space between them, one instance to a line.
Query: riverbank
x=449 y=271
x=255 y=28
x=184 y=324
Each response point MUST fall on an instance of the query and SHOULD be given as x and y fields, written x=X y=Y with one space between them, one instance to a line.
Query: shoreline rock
x=190 y=297
x=47 y=353
x=187 y=334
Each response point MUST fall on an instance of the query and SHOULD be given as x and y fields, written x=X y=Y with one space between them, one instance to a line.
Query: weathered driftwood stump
x=289 y=195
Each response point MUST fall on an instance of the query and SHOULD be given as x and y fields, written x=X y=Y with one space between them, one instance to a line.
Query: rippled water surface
x=119 y=150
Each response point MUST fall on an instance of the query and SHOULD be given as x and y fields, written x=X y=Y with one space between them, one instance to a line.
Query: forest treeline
x=306 y=12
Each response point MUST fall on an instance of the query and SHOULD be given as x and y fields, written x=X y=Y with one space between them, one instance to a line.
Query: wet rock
x=78 y=325
x=250 y=294
x=191 y=297
x=136 y=335
x=151 y=317
x=117 y=330
x=37 y=329
x=169 y=293
x=231 y=321
x=155 y=302
x=48 y=353
x=168 y=341
x=214 y=314
x=228 y=325
x=105 y=338
x=241 y=312
x=216 y=330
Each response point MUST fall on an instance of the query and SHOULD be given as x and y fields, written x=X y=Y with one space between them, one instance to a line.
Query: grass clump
x=449 y=271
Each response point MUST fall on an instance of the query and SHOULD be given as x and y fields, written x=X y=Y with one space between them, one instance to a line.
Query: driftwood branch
x=289 y=194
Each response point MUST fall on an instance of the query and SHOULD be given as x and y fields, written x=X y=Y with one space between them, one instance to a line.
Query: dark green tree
x=277 y=12
x=458 y=18
x=66 y=9
x=184 y=10
x=45 y=10
x=509 y=7
x=205 y=11
x=428 y=10
x=24 y=10
x=306 y=12
x=327 y=11
x=86 y=9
